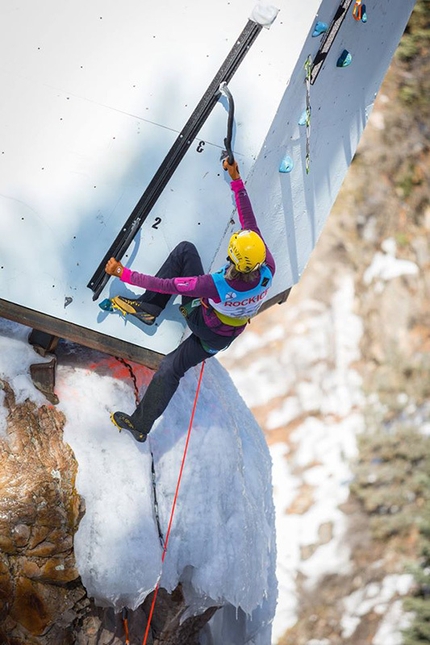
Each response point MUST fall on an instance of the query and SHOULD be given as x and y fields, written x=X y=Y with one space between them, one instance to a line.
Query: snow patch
x=17 y=356
x=390 y=628
x=264 y=14
x=377 y=597
x=386 y=266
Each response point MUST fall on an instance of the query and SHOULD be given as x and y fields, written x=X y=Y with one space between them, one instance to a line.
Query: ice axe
x=228 y=153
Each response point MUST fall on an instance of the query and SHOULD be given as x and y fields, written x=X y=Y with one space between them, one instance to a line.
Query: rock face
x=42 y=599
x=39 y=514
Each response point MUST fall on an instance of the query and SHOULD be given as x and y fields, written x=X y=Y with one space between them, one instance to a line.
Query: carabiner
x=357 y=10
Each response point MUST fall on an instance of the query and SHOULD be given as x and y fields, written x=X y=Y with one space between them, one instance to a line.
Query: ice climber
x=217 y=306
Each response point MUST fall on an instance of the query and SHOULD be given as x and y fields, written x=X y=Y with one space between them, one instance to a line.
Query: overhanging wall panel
x=94 y=95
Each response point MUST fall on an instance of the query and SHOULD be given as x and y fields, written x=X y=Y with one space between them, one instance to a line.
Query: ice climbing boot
x=133 y=307
x=123 y=422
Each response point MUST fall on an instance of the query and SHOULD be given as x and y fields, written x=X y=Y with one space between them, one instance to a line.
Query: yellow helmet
x=246 y=250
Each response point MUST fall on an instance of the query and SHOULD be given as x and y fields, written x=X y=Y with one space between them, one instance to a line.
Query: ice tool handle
x=175 y=155
x=227 y=141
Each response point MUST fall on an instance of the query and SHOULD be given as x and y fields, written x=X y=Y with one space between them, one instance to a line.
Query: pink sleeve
x=247 y=218
x=201 y=286
x=125 y=275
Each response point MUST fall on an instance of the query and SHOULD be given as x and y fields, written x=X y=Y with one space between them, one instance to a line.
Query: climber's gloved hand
x=233 y=169
x=114 y=268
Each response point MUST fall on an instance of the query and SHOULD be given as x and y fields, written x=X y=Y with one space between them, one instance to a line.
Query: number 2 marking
x=157 y=222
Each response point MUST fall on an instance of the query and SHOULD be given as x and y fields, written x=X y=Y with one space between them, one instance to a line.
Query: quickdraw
x=308 y=71
x=359 y=11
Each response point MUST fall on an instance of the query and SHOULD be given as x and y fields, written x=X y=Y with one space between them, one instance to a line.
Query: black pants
x=183 y=260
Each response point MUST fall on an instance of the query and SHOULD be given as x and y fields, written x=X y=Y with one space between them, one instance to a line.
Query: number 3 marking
x=200 y=146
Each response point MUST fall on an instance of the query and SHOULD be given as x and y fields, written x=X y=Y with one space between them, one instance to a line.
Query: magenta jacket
x=203 y=286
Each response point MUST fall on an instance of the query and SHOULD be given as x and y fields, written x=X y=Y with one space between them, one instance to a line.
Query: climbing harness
x=172 y=512
x=227 y=141
x=187 y=308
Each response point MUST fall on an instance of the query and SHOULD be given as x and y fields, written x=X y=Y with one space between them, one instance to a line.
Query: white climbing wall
x=95 y=93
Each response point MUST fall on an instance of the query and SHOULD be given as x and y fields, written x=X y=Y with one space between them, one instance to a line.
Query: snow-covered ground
x=386 y=266
x=222 y=545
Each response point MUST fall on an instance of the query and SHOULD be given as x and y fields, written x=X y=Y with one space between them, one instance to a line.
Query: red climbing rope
x=172 y=512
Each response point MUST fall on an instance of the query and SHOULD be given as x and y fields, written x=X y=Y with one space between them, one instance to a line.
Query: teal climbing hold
x=286 y=165
x=106 y=305
x=344 y=59
x=320 y=28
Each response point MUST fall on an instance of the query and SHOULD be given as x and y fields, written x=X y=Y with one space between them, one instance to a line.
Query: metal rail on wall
x=175 y=155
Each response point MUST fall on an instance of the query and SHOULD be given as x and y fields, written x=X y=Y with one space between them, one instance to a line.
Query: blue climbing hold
x=287 y=164
x=363 y=13
x=320 y=28
x=344 y=59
